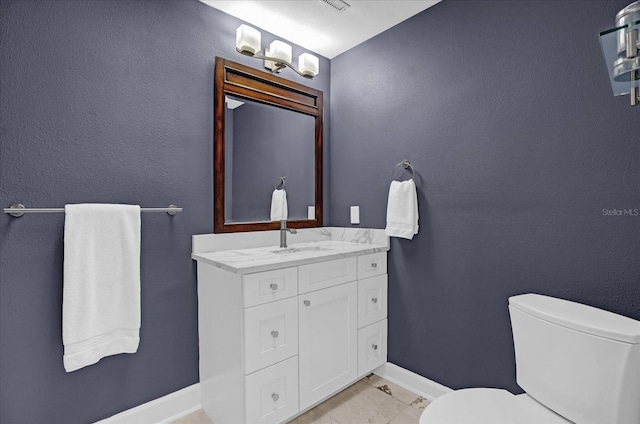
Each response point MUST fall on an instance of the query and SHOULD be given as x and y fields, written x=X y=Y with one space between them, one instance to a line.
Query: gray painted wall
x=505 y=111
x=105 y=101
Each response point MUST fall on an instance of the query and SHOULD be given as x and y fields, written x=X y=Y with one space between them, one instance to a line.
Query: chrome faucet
x=283 y=232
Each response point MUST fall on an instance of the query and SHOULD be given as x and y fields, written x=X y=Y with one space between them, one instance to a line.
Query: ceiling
x=318 y=27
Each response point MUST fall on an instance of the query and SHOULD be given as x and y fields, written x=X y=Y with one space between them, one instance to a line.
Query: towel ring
x=405 y=164
x=281 y=180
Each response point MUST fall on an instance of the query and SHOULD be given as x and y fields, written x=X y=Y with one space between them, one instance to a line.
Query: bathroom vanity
x=281 y=330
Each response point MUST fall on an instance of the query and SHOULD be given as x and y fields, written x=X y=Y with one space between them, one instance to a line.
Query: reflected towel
x=402 y=210
x=279 y=209
x=101 y=294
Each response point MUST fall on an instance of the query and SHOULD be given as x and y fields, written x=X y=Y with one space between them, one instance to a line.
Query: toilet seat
x=487 y=406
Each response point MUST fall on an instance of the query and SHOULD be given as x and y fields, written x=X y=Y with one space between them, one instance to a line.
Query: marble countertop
x=247 y=261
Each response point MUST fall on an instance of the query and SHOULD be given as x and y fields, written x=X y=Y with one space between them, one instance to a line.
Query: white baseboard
x=411 y=381
x=162 y=410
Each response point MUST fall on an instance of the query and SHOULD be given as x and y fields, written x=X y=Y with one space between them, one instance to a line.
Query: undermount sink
x=300 y=249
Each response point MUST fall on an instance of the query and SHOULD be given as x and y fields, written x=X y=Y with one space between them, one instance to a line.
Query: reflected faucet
x=283 y=233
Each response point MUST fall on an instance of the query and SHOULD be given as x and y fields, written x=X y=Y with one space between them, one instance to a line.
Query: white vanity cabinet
x=277 y=342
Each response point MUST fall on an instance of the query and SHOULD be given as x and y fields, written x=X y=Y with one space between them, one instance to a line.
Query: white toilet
x=577 y=364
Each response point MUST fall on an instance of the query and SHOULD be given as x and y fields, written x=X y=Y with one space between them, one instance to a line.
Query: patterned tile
x=403 y=395
x=372 y=400
x=420 y=403
x=362 y=404
x=314 y=416
x=408 y=416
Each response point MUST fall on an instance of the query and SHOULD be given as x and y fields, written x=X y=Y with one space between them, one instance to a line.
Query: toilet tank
x=581 y=362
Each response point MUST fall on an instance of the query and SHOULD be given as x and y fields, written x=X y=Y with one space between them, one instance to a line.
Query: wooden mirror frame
x=262 y=87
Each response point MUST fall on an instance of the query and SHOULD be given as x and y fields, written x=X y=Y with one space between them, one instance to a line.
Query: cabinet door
x=328 y=341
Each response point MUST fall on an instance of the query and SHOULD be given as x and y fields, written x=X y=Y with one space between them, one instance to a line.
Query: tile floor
x=372 y=400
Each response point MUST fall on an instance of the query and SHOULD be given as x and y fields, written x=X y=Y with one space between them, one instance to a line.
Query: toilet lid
x=487 y=406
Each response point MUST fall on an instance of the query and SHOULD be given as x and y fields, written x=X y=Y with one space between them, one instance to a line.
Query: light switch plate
x=311 y=212
x=355 y=214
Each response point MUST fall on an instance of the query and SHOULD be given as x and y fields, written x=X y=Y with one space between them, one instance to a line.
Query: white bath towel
x=402 y=210
x=101 y=294
x=279 y=209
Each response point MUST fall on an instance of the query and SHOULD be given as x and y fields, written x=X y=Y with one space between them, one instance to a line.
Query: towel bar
x=18 y=210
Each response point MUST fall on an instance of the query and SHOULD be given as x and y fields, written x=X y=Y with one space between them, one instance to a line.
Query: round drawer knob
x=274 y=334
x=374 y=265
x=307 y=302
x=273 y=286
x=275 y=397
x=374 y=299
x=374 y=346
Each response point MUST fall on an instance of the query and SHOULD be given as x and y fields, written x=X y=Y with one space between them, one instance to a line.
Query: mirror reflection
x=263 y=143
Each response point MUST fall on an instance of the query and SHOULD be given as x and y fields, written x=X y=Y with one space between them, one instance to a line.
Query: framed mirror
x=266 y=127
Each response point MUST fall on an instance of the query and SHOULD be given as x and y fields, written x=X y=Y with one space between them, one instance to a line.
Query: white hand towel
x=101 y=295
x=402 y=210
x=279 y=209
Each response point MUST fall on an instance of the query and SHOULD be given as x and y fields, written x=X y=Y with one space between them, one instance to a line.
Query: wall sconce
x=277 y=56
x=621 y=47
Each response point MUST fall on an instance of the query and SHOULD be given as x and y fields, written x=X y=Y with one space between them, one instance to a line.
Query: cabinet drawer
x=326 y=274
x=271 y=395
x=263 y=287
x=370 y=265
x=270 y=333
x=372 y=300
x=372 y=347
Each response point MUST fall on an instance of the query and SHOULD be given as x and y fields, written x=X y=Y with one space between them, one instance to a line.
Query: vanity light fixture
x=277 y=56
x=621 y=50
